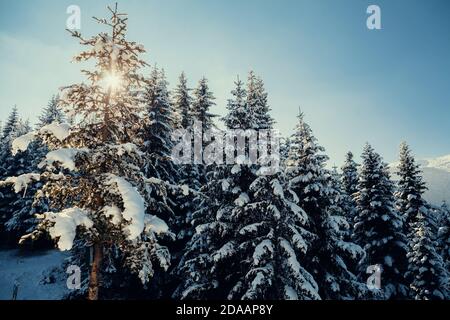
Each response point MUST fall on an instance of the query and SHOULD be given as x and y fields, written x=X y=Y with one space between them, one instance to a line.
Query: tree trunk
x=94 y=279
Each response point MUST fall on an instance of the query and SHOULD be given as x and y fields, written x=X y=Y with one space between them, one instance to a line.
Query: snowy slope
x=29 y=270
x=436 y=173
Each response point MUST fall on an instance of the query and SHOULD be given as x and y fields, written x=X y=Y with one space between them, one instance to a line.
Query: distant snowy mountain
x=436 y=173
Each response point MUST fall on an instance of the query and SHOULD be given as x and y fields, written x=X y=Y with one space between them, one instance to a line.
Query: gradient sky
x=354 y=84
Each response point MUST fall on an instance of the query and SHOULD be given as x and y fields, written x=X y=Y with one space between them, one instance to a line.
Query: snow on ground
x=30 y=270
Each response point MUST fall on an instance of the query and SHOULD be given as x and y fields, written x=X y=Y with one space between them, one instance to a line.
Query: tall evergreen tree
x=11 y=123
x=409 y=194
x=182 y=101
x=379 y=228
x=250 y=224
x=158 y=131
x=349 y=180
x=6 y=166
x=203 y=101
x=91 y=177
x=257 y=103
x=20 y=209
x=309 y=179
x=350 y=175
x=16 y=209
x=172 y=206
x=238 y=113
x=52 y=113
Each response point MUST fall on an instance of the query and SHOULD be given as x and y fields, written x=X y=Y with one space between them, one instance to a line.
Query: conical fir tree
x=158 y=130
x=172 y=206
x=6 y=166
x=91 y=176
x=249 y=232
x=16 y=208
x=51 y=113
x=203 y=101
x=409 y=194
x=182 y=101
x=378 y=226
x=349 y=180
x=258 y=106
x=11 y=123
x=237 y=117
x=308 y=178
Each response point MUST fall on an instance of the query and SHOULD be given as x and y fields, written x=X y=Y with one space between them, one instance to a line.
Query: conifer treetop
x=109 y=101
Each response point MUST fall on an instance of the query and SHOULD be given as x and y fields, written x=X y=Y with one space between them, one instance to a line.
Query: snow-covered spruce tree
x=238 y=115
x=248 y=233
x=339 y=206
x=6 y=160
x=190 y=175
x=410 y=189
x=21 y=210
x=270 y=240
x=328 y=251
x=10 y=123
x=6 y=138
x=182 y=101
x=257 y=102
x=203 y=101
x=22 y=218
x=172 y=206
x=349 y=181
x=51 y=113
x=158 y=131
x=378 y=226
x=17 y=212
x=92 y=175
x=350 y=174
x=201 y=277
x=247 y=242
x=426 y=268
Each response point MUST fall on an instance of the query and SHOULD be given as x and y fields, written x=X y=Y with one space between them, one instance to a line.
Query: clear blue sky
x=355 y=85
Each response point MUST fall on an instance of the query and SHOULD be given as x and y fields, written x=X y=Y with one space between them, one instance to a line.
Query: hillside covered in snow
x=37 y=275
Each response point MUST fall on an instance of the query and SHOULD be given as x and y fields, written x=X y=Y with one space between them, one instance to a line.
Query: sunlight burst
x=111 y=82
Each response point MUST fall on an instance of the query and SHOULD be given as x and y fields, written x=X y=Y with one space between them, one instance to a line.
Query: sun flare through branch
x=111 y=81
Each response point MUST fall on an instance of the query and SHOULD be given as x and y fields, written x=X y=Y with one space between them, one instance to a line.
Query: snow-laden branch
x=133 y=203
x=65 y=225
x=21 y=182
x=59 y=130
x=65 y=157
x=134 y=210
x=21 y=143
